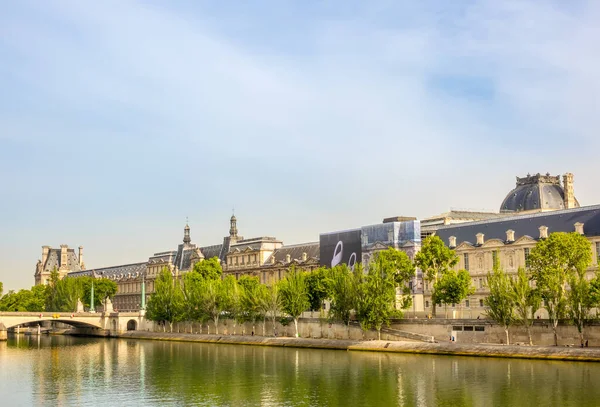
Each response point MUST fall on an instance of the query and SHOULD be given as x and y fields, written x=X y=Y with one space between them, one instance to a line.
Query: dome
x=536 y=193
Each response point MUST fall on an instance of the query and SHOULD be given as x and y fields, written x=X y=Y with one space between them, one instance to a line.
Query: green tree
x=232 y=298
x=553 y=262
x=271 y=304
x=453 y=287
x=500 y=300
x=294 y=294
x=103 y=287
x=526 y=300
x=342 y=291
x=252 y=296
x=192 y=299
x=1 y=288
x=434 y=259
x=166 y=303
x=209 y=268
x=215 y=300
x=33 y=300
x=317 y=291
x=398 y=263
x=376 y=298
x=579 y=303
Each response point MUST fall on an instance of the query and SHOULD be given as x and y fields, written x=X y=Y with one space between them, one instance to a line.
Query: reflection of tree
x=127 y=372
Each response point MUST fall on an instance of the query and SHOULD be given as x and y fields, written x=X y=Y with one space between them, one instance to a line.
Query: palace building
x=264 y=257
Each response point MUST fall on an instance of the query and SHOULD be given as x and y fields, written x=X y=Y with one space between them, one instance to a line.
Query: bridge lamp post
x=92 y=308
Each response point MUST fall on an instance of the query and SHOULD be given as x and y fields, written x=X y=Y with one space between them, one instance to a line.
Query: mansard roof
x=114 y=272
x=295 y=252
x=525 y=225
x=54 y=260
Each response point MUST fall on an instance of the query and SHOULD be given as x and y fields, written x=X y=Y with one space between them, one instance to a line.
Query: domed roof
x=535 y=192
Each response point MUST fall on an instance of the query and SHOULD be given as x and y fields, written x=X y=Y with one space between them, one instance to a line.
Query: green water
x=70 y=371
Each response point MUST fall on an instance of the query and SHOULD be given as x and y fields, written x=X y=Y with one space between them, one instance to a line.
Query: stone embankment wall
x=307 y=328
x=486 y=331
x=464 y=331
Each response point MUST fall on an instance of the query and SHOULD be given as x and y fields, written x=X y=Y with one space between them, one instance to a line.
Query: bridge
x=101 y=323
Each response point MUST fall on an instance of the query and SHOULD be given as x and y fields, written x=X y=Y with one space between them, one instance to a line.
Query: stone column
x=3 y=334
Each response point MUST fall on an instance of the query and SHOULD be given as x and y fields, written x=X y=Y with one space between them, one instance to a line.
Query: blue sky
x=120 y=118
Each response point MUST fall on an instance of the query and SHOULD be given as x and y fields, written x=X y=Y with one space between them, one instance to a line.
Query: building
x=509 y=240
x=431 y=224
x=63 y=260
x=540 y=193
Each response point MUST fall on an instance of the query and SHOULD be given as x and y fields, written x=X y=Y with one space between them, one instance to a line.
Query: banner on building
x=340 y=247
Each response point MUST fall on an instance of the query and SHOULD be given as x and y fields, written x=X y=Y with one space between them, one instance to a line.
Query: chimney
x=45 y=251
x=81 y=263
x=543 y=232
x=510 y=235
x=480 y=238
x=288 y=258
x=569 y=192
x=64 y=258
x=304 y=256
x=452 y=241
x=579 y=228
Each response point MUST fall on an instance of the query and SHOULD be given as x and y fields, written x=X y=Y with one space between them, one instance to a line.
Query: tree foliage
x=342 y=285
x=526 y=300
x=317 y=290
x=500 y=300
x=553 y=262
x=375 y=305
x=166 y=304
x=209 y=268
x=33 y=300
x=453 y=287
x=435 y=259
x=294 y=295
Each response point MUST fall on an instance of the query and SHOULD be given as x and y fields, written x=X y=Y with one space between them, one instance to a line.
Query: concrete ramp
x=409 y=335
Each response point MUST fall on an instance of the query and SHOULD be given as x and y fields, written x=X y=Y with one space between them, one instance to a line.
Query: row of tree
x=557 y=278
x=58 y=295
x=201 y=295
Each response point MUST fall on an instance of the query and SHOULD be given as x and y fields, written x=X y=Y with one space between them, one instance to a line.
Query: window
x=426 y=304
x=467 y=303
x=494 y=257
x=526 y=257
x=481 y=283
x=479 y=328
x=481 y=303
x=466 y=259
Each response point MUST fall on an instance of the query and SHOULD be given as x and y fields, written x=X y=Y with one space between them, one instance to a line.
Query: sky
x=119 y=119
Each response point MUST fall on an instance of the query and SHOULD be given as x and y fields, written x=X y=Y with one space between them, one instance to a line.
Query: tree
x=398 y=263
x=166 y=303
x=214 y=300
x=1 y=288
x=252 y=296
x=192 y=296
x=453 y=287
x=526 y=300
x=294 y=294
x=317 y=292
x=376 y=298
x=103 y=287
x=271 y=304
x=553 y=262
x=434 y=259
x=232 y=301
x=33 y=300
x=341 y=289
x=209 y=268
x=500 y=300
x=579 y=302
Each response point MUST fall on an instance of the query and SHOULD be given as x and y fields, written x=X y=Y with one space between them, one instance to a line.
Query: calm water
x=116 y=372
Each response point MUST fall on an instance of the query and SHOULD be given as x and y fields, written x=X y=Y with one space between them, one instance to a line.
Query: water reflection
x=77 y=371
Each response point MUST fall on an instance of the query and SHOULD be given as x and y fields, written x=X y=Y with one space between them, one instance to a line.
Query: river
x=70 y=371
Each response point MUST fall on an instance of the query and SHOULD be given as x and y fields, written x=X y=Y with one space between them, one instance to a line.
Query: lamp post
x=92 y=308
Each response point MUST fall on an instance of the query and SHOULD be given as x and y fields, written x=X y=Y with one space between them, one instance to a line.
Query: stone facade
x=63 y=260
x=509 y=240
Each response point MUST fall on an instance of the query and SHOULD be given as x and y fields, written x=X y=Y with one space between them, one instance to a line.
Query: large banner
x=340 y=247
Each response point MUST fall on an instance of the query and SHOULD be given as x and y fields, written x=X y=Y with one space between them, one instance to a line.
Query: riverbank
x=445 y=348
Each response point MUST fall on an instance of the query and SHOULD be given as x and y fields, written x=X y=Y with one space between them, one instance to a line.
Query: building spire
x=186 y=233
x=233 y=232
